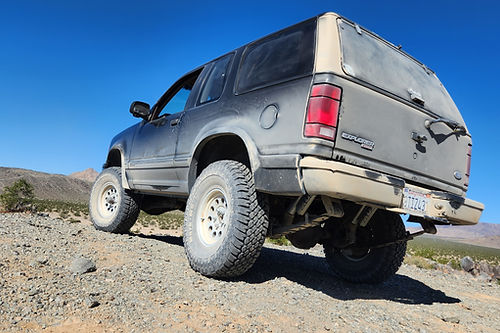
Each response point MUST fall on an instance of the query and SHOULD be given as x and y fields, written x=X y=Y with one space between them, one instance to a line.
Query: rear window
x=371 y=59
x=282 y=56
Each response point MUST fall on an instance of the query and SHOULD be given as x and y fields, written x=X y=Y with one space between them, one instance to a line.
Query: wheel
x=111 y=207
x=225 y=224
x=357 y=264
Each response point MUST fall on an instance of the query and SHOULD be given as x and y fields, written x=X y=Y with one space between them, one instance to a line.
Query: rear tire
x=111 y=207
x=375 y=265
x=225 y=224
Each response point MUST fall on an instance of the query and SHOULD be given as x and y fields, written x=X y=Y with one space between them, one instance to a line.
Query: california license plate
x=415 y=201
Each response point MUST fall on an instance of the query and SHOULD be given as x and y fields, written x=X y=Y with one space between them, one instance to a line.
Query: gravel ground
x=143 y=283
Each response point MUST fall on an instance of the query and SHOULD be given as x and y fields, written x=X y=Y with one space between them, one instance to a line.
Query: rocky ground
x=142 y=283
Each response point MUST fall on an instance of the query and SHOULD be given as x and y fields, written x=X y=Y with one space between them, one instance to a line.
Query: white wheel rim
x=108 y=201
x=212 y=217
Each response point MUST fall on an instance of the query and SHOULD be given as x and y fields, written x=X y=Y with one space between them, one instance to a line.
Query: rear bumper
x=344 y=181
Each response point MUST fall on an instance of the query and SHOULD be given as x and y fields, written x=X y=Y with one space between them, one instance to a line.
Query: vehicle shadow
x=312 y=272
x=173 y=240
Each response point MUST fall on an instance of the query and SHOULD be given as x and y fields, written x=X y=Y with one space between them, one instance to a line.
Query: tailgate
x=385 y=106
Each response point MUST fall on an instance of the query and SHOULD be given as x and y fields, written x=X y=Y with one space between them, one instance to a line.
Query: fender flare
x=118 y=147
x=202 y=139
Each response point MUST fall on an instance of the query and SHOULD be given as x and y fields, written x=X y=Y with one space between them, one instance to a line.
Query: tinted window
x=282 y=56
x=215 y=81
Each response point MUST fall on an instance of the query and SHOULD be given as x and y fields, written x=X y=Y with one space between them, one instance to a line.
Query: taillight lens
x=320 y=131
x=326 y=90
x=323 y=111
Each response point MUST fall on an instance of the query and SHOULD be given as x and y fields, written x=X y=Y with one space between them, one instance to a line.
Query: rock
x=467 y=263
x=59 y=301
x=40 y=261
x=453 y=320
x=81 y=265
x=91 y=302
x=33 y=291
x=496 y=272
x=484 y=277
x=484 y=267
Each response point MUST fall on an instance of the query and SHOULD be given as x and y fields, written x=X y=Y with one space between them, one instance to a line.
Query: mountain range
x=481 y=234
x=89 y=175
x=74 y=188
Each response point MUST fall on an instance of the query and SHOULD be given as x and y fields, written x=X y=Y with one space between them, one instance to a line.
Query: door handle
x=174 y=122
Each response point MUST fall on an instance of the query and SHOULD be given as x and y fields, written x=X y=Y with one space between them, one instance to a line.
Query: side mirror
x=140 y=110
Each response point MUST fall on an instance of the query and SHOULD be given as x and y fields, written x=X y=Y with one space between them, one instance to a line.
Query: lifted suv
x=322 y=132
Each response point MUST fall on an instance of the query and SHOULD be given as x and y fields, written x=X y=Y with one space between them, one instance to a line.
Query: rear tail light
x=320 y=131
x=323 y=111
x=469 y=157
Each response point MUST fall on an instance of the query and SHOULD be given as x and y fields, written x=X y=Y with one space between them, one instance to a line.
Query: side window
x=282 y=56
x=215 y=81
x=176 y=98
x=178 y=102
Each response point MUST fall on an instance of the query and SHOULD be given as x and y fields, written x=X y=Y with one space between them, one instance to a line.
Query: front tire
x=112 y=208
x=225 y=224
x=359 y=265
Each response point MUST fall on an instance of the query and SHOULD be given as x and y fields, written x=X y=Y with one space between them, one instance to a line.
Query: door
x=151 y=166
x=203 y=115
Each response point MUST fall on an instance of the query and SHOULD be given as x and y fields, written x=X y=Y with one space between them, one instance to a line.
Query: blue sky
x=69 y=69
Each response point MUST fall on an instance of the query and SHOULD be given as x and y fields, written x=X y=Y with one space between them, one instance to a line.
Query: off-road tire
x=112 y=208
x=378 y=264
x=225 y=222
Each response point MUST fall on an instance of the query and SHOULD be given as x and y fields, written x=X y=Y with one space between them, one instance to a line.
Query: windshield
x=371 y=59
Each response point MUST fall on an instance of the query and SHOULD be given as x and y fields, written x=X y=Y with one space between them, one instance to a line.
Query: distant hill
x=482 y=234
x=48 y=186
x=89 y=175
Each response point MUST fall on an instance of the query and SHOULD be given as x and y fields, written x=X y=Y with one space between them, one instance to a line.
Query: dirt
x=144 y=283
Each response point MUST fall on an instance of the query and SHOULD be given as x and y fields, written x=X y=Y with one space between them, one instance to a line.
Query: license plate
x=415 y=201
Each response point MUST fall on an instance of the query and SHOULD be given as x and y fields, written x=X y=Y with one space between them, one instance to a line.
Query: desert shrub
x=18 y=197
x=61 y=206
x=455 y=264
x=281 y=241
x=419 y=262
x=449 y=252
x=169 y=220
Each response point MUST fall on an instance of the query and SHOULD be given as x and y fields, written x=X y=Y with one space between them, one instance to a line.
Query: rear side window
x=280 y=57
x=215 y=82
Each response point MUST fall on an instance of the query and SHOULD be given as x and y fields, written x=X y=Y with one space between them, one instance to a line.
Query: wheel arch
x=222 y=144
x=116 y=158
